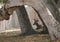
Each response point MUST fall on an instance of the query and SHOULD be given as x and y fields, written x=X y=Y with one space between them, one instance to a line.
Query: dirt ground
x=28 y=38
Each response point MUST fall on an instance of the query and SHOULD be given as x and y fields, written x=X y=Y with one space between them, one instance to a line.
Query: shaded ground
x=28 y=38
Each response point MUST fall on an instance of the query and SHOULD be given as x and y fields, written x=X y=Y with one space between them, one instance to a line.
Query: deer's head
x=4 y=15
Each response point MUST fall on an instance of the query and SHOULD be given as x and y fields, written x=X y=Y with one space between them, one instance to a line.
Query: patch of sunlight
x=12 y=30
x=1 y=5
x=26 y=6
x=48 y=11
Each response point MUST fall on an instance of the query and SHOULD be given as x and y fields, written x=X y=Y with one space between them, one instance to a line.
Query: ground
x=27 y=38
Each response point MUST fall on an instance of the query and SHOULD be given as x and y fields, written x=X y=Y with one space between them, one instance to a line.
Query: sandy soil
x=27 y=38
